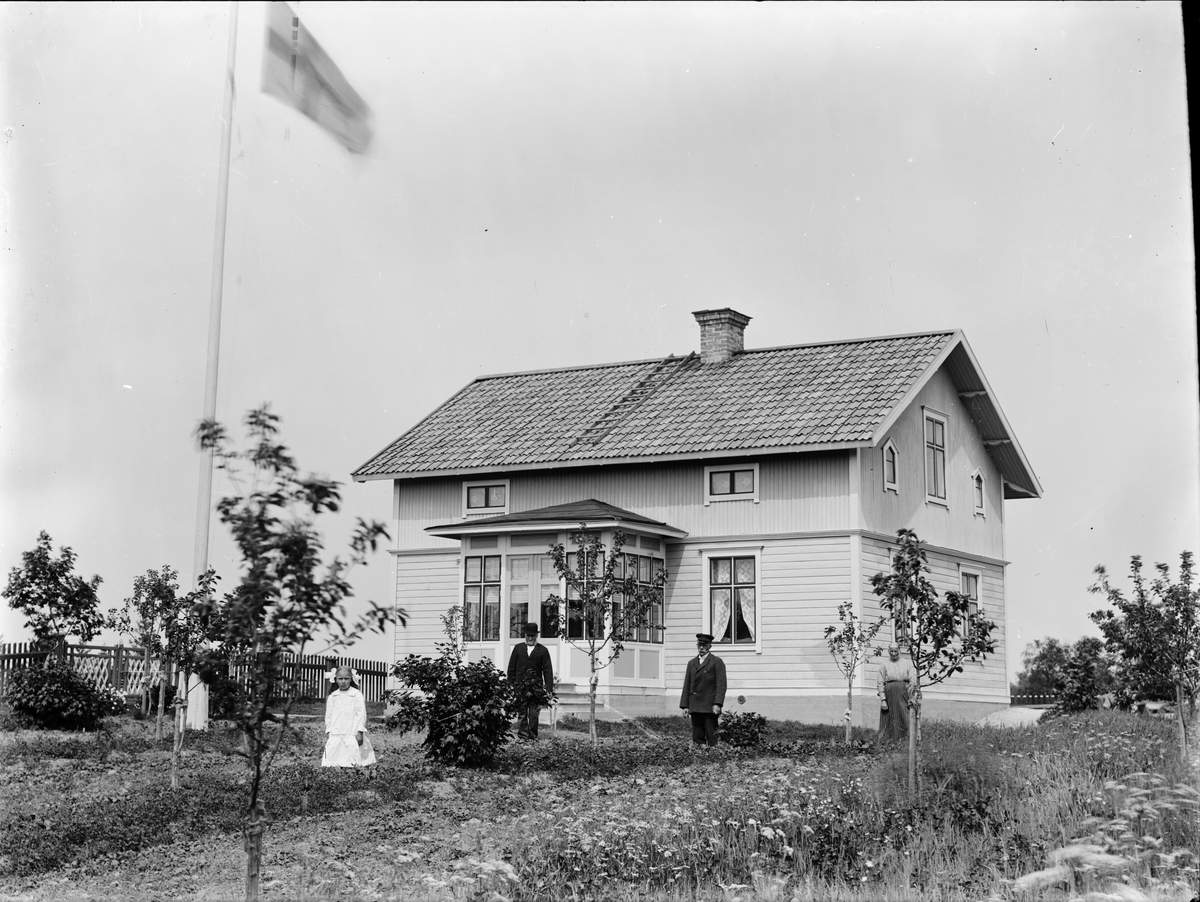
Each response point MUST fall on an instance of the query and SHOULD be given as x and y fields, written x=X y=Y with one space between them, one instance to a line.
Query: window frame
x=965 y=572
x=706 y=557
x=979 y=492
x=710 y=498
x=486 y=511
x=894 y=484
x=928 y=414
x=482 y=583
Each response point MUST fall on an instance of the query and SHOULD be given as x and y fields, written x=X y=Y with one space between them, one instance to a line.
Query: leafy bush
x=465 y=707
x=744 y=730
x=57 y=697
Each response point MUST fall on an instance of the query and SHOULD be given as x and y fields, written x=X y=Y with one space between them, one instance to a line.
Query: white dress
x=345 y=715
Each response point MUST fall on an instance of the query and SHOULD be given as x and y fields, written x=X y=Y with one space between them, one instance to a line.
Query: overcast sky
x=564 y=184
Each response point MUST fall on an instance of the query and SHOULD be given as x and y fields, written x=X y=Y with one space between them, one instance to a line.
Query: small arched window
x=977 y=491
x=891 y=468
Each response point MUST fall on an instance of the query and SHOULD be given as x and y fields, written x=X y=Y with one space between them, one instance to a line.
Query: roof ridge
x=853 y=341
x=656 y=360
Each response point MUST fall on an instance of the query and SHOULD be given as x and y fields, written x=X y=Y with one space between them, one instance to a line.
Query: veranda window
x=481 y=598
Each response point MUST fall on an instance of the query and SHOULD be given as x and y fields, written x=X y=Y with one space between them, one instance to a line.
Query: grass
x=1094 y=804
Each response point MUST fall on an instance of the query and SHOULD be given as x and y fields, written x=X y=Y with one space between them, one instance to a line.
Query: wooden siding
x=986 y=681
x=954 y=525
x=426 y=586
x=801 y=583
x=800 y=493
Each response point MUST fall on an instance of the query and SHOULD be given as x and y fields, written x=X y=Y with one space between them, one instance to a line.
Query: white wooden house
x=769 y=482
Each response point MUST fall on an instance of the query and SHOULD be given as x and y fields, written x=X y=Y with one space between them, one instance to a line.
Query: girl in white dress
x=346 y=724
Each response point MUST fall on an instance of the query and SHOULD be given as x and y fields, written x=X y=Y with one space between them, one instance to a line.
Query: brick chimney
x=720 y=333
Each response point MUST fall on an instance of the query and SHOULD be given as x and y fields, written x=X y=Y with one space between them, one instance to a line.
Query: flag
x=301 y=74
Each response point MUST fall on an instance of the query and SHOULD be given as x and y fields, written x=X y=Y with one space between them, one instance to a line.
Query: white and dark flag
x=301 y=74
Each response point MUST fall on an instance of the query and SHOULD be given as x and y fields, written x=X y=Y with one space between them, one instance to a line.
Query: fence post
x=116 y=678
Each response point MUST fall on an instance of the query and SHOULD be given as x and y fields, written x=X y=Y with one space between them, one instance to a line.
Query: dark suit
x=703 y=687
x=531 y=672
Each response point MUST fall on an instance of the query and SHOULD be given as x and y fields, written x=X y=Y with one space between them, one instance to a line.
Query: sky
x=561 y=184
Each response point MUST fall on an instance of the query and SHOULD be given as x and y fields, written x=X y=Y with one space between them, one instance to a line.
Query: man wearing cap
x=704 y=691
x=532 y=675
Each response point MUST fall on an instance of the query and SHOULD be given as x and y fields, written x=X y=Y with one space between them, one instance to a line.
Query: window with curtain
x=481 y=598
x=733 y=599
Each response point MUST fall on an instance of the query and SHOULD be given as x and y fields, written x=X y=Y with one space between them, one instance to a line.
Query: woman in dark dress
x=896 y=680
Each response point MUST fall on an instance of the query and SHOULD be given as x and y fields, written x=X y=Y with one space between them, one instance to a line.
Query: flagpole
x=204 y=500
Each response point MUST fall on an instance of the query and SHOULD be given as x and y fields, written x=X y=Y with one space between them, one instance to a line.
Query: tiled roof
x=779 y=399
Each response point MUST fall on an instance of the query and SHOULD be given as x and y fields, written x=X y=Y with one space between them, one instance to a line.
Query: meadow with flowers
x=1094 y=807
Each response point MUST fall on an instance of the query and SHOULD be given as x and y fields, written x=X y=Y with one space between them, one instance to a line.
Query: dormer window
x=977 y=492
x=731 y=483
x=487 y=498
x=891 y=465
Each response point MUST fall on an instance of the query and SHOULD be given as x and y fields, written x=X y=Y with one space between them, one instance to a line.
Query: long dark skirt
x=893 y=723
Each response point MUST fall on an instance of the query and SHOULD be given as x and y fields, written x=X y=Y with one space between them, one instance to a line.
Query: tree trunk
x=1181 y=718
x=849 y=705
x=146 y=694
x=592 y=683
x=254 y=832
x=162 y=701
x=914 y=726
x=180 y=724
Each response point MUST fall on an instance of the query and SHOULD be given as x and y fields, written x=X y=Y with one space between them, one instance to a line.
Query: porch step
x=573 y=701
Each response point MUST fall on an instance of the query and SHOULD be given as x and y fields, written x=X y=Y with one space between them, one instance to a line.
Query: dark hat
x=531 y=629
x=704 y=637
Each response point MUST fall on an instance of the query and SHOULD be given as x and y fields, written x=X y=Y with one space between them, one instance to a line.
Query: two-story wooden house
x=770 y=483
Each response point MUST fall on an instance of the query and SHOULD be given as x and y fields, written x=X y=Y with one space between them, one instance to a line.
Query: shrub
x=744 y=730
x=466 y=708
x=57 y=697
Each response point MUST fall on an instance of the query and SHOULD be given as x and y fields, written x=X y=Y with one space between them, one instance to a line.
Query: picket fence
x=124 y=668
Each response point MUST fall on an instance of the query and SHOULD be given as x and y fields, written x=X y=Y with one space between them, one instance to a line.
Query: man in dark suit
x=704 y=691
x=532 y=675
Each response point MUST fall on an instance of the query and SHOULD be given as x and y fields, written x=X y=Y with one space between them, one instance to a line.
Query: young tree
x=1043 y=664
x=56 y=603
x=605 y=605
x=165 y=624
x=286 y=595
x=1155 y=634
x=941 y=633
x=1085 y=677
x=851 y=646
x=186 y=638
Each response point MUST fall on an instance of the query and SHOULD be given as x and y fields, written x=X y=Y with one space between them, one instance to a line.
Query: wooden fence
x=124 y=668
x=309 y=675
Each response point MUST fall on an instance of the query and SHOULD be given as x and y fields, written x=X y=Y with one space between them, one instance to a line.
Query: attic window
x=731 y=483
x=891 y=463
x=978 y=493
x=490 y=498
x=935 y=456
